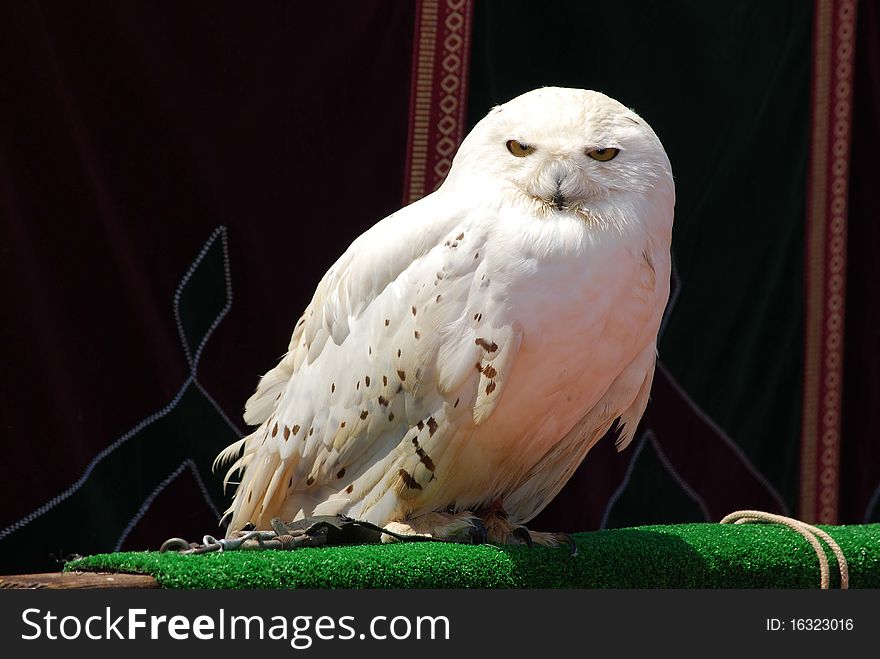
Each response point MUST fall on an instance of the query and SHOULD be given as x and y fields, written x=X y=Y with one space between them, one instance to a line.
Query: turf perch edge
x=671 y=556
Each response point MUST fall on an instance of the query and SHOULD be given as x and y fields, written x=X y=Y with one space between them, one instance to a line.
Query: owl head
x=564 y=150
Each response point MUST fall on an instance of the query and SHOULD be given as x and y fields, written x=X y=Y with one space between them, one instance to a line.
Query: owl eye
x=603 y=155
x=519 y=149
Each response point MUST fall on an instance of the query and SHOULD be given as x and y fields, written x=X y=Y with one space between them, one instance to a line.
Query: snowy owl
x=463 y=355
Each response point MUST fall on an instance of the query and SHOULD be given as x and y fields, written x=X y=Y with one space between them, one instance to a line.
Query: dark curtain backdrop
x=176 y=177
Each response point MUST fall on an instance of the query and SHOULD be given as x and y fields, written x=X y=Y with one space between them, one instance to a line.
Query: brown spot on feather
x=340 y=473
x=425 y=459
x=364 y=414
x=408 y=480
x=402 y=375
x=432 y=427
x=295 y=429
x=485 y=345
x=490 y=388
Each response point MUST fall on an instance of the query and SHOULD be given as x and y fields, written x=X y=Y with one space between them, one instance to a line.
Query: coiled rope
x=809 y=532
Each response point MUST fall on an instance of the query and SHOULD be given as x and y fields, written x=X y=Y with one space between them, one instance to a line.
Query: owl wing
x=400 y=348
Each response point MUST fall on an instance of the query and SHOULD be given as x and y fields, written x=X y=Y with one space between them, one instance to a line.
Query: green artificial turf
x=673 y=556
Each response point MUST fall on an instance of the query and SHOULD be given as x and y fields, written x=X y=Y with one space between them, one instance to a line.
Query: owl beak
x=558 y=200
x=557 y=185
x=560 y=173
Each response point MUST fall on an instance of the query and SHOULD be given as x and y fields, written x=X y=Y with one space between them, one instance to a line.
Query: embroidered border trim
x=438 y=97
x=834 y=36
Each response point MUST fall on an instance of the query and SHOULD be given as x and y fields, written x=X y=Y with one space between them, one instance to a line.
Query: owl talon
x=522 y=534
x=564 y=538
x=477 y=532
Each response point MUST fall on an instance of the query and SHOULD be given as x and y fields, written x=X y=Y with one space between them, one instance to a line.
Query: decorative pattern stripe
x=825 y=257
x=438 y=98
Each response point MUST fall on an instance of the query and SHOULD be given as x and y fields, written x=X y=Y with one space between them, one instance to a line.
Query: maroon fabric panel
x=128 y=132
x=860 y=444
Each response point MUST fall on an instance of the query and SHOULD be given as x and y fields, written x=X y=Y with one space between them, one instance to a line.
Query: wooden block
x=66 y=580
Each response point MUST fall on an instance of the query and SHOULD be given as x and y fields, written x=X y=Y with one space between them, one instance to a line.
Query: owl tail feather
x=229 y=454
x=265 y=399
x=267 y=479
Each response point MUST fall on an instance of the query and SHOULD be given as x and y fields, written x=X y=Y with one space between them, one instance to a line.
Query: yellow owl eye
x=519 y=149
x=603 y=155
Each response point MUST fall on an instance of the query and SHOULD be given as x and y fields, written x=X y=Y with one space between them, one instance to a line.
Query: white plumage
x=464 y=354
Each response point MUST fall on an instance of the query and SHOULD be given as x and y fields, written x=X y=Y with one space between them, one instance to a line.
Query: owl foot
x=502 y=531
x=464 y=528
x=339 y=530
x=317 y=531
x=554 y=540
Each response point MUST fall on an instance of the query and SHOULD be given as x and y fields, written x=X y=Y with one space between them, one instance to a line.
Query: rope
x=809 y=532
